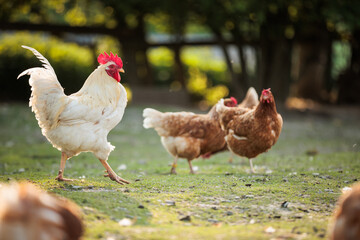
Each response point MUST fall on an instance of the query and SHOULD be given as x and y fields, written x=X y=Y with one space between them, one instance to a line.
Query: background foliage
x=299 y=48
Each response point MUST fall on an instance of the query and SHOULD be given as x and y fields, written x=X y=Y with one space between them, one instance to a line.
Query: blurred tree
x=344 y=20
x=289 y=36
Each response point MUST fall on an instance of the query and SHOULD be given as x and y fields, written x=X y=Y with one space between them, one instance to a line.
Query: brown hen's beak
x=121 y=70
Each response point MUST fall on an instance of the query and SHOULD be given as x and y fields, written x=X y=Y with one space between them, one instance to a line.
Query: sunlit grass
x=222 y=200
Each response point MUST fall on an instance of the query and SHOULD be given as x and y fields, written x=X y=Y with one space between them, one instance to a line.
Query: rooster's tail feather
x=42 y=59
x=46 y=93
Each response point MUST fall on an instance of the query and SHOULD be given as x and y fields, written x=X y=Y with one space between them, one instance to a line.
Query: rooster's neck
x=100 y=88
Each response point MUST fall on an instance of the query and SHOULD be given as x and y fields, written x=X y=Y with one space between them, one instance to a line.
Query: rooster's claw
x=116 y=178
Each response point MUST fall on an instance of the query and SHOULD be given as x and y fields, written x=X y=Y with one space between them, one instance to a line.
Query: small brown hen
x=250 y=101
x=346 y=225
x=186 y=134
x=28 y=213
x=250 y=132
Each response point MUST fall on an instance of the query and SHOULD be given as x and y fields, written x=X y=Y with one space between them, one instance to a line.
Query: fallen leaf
x=213 y=220
x=122 y=167
x=312 y=152
x=126 y=222
x=270 y=230
x=170 y=203
x=229 y=213
x=285 y=204
x=76 y=187
x=186 y=218
x=249 y=196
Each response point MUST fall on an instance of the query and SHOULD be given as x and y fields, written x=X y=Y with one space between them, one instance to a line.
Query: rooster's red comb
x=234 y=100
x=104 y=58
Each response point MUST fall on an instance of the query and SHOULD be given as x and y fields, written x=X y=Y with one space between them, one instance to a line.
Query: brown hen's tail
x=152 y=118
x=251 y=99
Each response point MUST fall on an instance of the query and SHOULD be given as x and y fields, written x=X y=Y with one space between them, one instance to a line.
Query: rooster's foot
x=61 y=178
x=64 y=179
x=116 y=178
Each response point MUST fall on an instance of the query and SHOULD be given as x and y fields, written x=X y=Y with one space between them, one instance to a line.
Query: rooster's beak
x=121 y=70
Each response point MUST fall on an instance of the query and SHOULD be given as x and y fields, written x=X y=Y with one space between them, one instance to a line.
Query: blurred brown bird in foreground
x=28 y=213
x=346 y=223
x=250 y=132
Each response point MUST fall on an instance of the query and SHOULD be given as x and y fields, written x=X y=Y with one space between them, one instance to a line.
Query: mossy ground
x=315 y=157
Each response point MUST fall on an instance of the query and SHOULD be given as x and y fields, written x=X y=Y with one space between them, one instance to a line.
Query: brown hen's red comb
x=105 y=58
x=234 y=100
x=266 y=90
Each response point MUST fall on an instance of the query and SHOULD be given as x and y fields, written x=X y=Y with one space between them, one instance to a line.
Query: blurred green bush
x=206 y=76
x=72 y=63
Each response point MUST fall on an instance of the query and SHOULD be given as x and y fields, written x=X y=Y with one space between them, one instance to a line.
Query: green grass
x=219 y=198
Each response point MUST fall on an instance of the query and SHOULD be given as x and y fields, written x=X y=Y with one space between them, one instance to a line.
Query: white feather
x=42 y=59
x=240 y=138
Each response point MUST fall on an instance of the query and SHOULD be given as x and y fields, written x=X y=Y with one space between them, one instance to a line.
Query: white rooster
x=79 y=122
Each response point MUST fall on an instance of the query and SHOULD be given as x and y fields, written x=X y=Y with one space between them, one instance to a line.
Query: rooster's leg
x=174 y=165
x=111 y=174
x=251 y=166
x=60 y=177
x=190 y=166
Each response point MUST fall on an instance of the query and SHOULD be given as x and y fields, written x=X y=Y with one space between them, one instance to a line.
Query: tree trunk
x=244 y=74
x=178 y=67
x=235 y=85
x=275 y=62
x=130 y=64
x=145 y=71
x=243 y=78
x=275 y=66
x=349 y=81
x=313 y=62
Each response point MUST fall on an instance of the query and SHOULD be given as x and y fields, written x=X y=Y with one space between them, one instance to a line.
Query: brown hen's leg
x=251 y=166
x=174 y=165
x=231 y=158
x=60 y=177
x=190 y=166
x=111 y=174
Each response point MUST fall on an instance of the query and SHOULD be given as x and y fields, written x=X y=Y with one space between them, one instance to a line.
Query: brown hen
x=186 y=134
x=28 y=213
x=250 y=132
x=346 y=225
